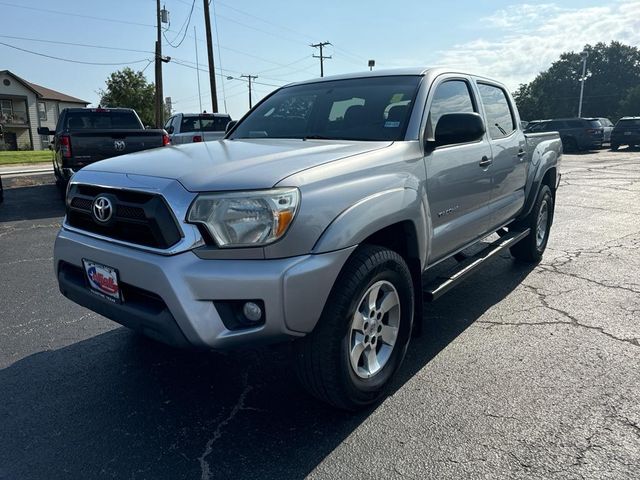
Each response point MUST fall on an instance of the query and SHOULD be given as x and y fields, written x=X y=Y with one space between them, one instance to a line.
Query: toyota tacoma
x=313 y=221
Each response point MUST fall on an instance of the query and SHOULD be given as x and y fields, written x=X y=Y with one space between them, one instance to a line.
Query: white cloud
x=531 y=37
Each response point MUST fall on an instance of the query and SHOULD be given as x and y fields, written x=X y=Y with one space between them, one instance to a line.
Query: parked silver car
x=196 y=127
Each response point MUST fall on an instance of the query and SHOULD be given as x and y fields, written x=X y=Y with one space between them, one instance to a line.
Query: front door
x=458 y=176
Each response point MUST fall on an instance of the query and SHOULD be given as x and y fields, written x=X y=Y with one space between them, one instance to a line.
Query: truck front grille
x=138 y=217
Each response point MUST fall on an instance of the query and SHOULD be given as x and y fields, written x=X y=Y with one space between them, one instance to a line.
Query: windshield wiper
x=317 y=137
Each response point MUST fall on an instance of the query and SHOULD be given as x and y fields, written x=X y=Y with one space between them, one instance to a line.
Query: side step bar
x=442 y=284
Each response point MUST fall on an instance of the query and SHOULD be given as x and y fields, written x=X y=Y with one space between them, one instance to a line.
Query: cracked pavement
x=522 y=372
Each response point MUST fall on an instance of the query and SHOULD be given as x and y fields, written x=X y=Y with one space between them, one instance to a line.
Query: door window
x=500 y=118
x=452 y=96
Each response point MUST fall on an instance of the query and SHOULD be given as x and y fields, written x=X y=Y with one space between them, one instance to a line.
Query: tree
x=126 y=88
x=612 y=70
x=630 y=104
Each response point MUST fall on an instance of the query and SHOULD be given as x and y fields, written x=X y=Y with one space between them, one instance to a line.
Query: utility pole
x=195 y=39
x=212 y=71
x=250 y=78
x=584 y=54
x=321 y=56
x=159 y=96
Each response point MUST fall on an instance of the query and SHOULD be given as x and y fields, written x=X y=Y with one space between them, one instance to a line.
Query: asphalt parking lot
x=522 y=372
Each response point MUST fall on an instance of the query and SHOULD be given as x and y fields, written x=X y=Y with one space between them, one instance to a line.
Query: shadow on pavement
x=29 y=199
x=120 y=406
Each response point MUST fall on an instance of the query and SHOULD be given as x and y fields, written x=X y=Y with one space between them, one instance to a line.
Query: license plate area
x=103 y=280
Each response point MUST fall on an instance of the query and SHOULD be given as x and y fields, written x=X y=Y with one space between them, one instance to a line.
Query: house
x=25 y=106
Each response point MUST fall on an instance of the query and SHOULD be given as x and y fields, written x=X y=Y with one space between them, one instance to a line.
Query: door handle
x=521 y=153
x=485 y=162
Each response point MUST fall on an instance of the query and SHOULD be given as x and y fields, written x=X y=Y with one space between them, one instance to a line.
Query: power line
x=89 y=45
x=68 y=14
x=182 y=63
x=69 y=60
x=185 y=26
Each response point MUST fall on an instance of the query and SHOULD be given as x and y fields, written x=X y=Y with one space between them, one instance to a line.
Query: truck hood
x=234 y=164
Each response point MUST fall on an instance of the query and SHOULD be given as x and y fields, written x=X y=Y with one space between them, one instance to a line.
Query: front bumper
x=171 y=298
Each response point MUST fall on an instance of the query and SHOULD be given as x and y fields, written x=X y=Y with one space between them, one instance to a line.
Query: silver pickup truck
x=313 y=221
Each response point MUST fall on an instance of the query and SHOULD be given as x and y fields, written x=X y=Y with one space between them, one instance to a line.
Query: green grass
x=35 y=156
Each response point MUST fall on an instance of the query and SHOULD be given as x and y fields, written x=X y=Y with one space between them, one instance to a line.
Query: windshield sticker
x=390 y=124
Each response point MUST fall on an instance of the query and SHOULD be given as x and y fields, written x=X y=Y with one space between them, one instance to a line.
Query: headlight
x=243 y=219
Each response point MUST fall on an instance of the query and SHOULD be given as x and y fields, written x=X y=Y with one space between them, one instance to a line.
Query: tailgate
x=92 y=145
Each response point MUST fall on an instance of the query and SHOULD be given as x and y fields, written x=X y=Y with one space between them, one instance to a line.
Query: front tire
x=539 y=220
x=363 y=332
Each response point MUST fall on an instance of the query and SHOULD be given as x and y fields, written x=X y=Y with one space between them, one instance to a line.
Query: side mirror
x=454 y=128
x=230 y=126
x=170 y=129
x=45 y=131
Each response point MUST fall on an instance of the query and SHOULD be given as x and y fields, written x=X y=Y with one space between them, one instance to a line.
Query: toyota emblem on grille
x=119 y=145
x=102 y=209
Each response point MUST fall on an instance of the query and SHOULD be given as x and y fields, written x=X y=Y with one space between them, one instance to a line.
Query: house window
x=42 y=111
x=6 y=108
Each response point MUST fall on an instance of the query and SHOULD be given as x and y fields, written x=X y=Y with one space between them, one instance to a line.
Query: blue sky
x=507 y=40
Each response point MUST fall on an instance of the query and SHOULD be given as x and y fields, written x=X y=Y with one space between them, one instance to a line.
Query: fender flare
x=541 y=172
x=374 y=213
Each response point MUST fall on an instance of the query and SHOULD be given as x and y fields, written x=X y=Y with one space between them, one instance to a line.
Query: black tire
x=529 y=249
x=322 y=358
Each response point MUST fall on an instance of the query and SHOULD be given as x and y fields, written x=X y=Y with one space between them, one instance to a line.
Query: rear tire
x=531 y=248
x=362 y=336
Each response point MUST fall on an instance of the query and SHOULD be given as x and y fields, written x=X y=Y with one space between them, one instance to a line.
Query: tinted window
x=605 y=122
x=628 y=122
x=374 y=108
x=105 y=120
x=554 y=125
x=498 y=111
x=595 y=123
x=203 y=123
x=451 y=96
x=535 y=126
x=578 y=123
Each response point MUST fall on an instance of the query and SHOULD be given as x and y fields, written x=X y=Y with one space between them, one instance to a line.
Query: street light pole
x=584 y=54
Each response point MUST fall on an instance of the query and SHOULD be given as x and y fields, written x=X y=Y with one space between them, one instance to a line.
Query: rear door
x=509 y=169
x=458 y=177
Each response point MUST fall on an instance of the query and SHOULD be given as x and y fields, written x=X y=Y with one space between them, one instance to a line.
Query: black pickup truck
x=86 y=135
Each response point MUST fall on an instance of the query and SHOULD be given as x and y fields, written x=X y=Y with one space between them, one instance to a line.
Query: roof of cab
x=418 y=71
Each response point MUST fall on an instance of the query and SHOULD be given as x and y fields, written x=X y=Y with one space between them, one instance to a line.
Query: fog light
x=252 y=311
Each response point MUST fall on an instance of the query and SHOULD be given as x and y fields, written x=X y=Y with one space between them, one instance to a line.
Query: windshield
x=104 y=120
x=204 y=123
x=373 y=108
